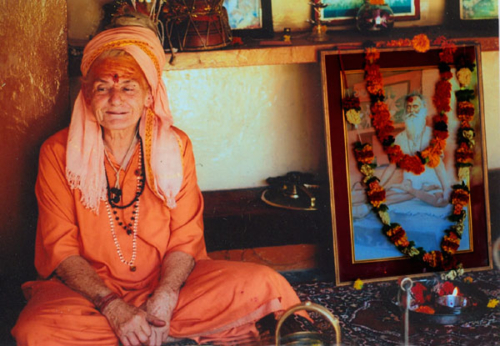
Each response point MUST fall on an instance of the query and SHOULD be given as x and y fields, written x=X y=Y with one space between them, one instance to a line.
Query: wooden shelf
x=301 y=51
x=253 y=53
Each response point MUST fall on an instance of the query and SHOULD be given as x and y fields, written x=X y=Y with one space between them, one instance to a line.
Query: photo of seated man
x=409 y=196
x=432 y=185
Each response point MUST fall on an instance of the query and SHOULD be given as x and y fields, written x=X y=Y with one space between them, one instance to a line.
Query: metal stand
x=406 y=285
x=319 y=29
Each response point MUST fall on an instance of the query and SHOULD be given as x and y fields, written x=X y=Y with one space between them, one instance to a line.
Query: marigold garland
x=464 y=154
x=430 y=156
x=377 y=2
x=421 y=43
x=384 y=126
x=425 y=309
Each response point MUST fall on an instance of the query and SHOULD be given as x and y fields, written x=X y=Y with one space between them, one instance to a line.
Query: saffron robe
x=220 y=300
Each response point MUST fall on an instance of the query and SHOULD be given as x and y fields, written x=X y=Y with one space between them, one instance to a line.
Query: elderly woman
x=119 y=247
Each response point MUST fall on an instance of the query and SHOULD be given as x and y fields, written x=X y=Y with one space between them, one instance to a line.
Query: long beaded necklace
x=131 y=227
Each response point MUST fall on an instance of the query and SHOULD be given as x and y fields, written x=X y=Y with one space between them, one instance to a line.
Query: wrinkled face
x=413 y=105
x=117 y=92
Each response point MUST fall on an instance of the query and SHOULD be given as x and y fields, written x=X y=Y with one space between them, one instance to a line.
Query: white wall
x=491 y=106
x=250 y=123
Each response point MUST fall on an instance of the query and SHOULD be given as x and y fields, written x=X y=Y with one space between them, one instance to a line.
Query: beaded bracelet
x=102 y=302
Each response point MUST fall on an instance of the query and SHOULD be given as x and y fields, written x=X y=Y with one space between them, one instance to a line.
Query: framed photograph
x=478 y=10
x=362 y=250
x=250 y=18
x=344 y=12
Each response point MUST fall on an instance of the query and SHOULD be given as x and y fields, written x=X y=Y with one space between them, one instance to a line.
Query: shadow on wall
x=19 y=215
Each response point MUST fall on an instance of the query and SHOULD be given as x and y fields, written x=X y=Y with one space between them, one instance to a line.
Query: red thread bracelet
x=102 y=302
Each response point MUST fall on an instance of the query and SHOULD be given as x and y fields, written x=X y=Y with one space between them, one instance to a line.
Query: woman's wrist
x=101 y=302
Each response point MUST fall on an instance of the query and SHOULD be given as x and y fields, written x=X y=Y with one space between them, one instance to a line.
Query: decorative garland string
x=430 y=156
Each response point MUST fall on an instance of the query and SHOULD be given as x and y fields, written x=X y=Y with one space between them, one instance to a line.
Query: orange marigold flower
x=438 y=143
x=421 y=43
x=460 y=196
x=441 y=135
x=446 y=75
x=395 y=153
x=398 y=236
x=442 y=96
x=425 y=309
x=411 y=164
x=372 y=54
x=457 y=209
x=433 y=152
x=464 y=154
x=375 y=184
x=376 y=194
x=433 y=156
x=465 y=111
x=375 y=86
x=377 y=2
x=433 y=258
x=440 y=118
x=447 y=55
x=364 y=155
x=393 y=43
x=450 y=243
x=384 y=132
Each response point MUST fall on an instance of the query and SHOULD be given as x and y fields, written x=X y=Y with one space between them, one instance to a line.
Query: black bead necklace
x=139 y=172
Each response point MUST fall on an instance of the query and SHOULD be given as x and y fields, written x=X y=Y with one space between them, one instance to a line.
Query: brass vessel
x=306 y=338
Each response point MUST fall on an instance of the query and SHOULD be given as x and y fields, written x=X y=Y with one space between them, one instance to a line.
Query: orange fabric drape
x=220 y=299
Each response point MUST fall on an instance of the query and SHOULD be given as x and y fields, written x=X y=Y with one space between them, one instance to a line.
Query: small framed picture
x=344 y=12
x=478 y=10
x=250 y=18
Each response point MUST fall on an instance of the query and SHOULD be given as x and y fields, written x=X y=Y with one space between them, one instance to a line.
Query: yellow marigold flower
x=464 y=76
x=353 y=116
x=421 y=43
x=469 y=135
x=458 y=228
x=410 y=251
x=366 y=170
x=384 y=217
x=463 y=173
x=358 y=284
x=493 y=303
x=451 y=275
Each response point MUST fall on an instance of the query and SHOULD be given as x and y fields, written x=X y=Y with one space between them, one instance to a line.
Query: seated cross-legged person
x=119 y=247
